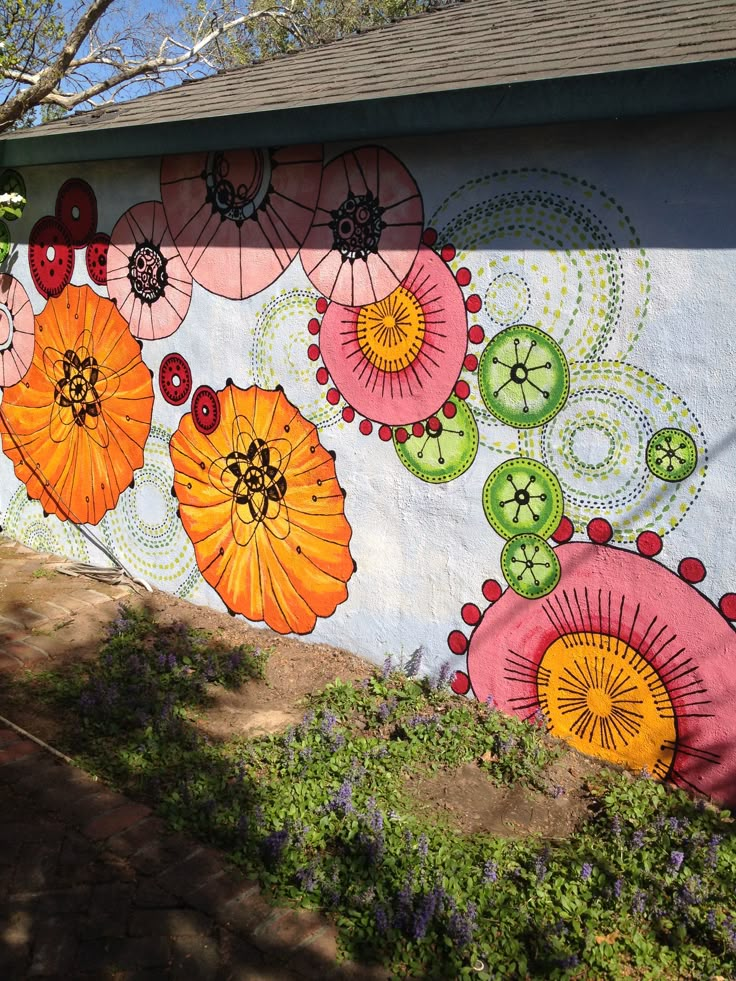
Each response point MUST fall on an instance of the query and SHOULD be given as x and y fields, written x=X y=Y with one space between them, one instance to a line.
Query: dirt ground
x=52 y=620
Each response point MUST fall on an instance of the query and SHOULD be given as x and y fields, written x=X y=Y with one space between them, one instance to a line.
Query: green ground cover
x=643 y=888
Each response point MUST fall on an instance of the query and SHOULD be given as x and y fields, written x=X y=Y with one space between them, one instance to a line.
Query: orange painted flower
x=76 y=424
x=260 y=500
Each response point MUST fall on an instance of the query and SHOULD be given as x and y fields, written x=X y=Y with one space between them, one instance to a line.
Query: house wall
x=474 y=395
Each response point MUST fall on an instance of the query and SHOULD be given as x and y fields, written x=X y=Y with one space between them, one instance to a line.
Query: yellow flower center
x=391 y=332
x=604 y=698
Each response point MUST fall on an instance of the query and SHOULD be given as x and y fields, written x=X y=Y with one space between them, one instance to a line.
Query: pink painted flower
x=397 y=360
x=16 y=331
x=625 y=660
x=366 y=229
x=239 y=217
x=145 y=274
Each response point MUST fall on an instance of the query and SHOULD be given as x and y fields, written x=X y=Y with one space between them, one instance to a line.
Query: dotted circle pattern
x=569 y=242
x=25 y=521
x=151 y=541
x=627 y=405
x=278 y=354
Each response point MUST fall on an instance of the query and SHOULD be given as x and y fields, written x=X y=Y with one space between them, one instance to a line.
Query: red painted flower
x=145 y=274
x=239 y=217
x=366 y=229
x=396 y=360
x=625 y=660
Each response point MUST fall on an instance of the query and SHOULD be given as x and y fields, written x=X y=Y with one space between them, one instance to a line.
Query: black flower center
x=147 y=272
x=357 y=225
x=76 y=389
x=259 y=485
x=238 y=202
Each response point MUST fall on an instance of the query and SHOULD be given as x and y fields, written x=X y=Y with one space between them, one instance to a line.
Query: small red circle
x=565 y=531
x=333 y=396
x=366 y=427
x=457 y=642
x=429 y=237
x=471 y=362
x=321 y=305
x=599 y=531
x=401 y=435
x=473 y=303
x=348 y=413
x=476 y=334
x=470 y=614
x=460 y=684
x=449 y=410
x=96 y=258
x=448 y=253
x=463 y=276
x=205 y=410
x=322 y=375
x=691 y=570
x=175 y=379
x=50 y=256
x=313 y=352
x=492 y=590
x=313 y=326
x=649 y=544
x=418 y=429
x=462 y=390
x=384 y=433
x=728 y=605
x=76 y=209
x=434 y=425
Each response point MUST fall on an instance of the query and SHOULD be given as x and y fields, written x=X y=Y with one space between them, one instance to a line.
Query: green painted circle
x=446 y=454
x=523 y=377
x=530 y=566
x=12 y=183
x=672 y=454
x=522 y=496
x=4 y=241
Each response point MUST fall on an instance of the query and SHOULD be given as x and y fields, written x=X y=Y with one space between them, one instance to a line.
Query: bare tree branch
x=49 y=78
x=45 y=87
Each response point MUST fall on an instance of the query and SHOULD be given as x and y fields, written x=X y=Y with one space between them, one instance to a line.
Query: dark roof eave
x=700 y=86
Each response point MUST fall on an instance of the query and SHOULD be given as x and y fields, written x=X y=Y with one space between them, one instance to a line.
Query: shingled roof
x=473 y=64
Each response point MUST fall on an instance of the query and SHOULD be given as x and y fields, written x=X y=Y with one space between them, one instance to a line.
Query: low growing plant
x=643 y=889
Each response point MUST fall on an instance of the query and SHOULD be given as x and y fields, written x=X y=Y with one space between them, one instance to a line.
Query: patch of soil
x=66 y=617
x=475 y=805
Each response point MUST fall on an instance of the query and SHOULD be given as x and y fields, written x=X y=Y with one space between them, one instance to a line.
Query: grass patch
x=644 y=888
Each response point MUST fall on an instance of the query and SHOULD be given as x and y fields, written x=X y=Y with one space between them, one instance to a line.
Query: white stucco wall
x=617 y=240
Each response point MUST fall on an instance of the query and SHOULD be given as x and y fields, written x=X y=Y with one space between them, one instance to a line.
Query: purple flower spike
x=586 y=871
x=676 y=860
x=490 y=871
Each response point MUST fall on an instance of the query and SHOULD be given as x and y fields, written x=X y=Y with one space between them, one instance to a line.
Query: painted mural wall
x=472 y=394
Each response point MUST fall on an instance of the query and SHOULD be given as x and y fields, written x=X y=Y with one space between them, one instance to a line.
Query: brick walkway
x=91 y=884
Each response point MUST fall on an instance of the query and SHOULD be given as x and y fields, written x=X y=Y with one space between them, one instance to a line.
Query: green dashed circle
x=507 y=299
x=440 y=456
x=521 y=497
x=530 y=566
x=523 y=377
x=12 y=183
x=672 y=455
x=4 y=241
